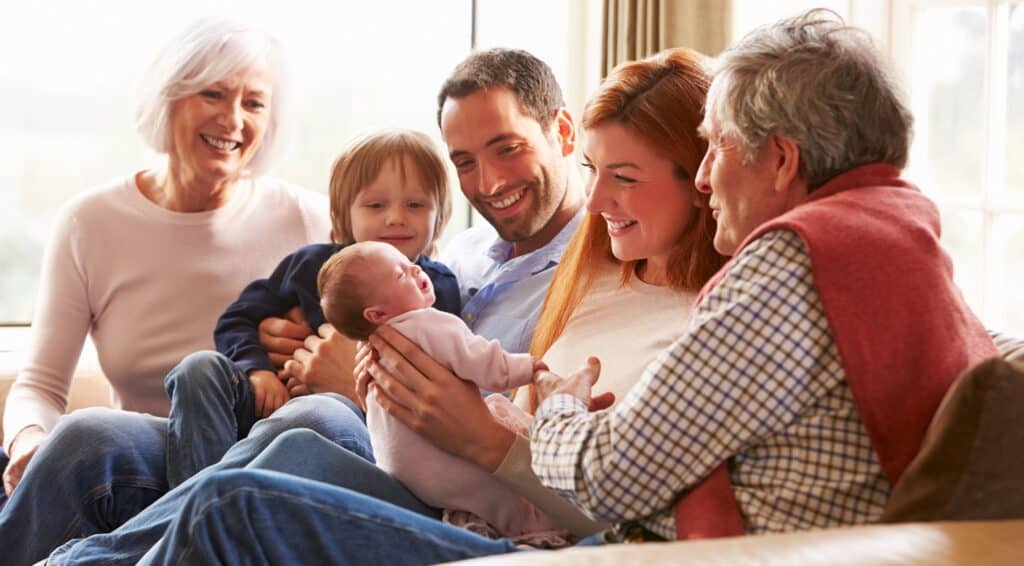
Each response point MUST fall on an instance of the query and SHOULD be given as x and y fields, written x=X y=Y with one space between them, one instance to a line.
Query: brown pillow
x=971 y=464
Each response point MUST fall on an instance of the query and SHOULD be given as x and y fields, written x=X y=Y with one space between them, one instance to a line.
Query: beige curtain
x=634 y=29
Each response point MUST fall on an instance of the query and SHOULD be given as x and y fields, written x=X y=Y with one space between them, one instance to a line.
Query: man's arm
x=748 y=367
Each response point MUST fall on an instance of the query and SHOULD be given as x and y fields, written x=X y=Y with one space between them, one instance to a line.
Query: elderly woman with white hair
x=146 y=263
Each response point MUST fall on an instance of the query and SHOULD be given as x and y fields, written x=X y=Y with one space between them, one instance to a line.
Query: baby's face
x=399 y=285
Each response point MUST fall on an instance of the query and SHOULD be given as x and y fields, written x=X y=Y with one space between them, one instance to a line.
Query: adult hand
x=24 y=447
x=579 y=384
x=295 y=387
x=365 y=355
x=450 y=412
x=281 y=336
x=325 y=363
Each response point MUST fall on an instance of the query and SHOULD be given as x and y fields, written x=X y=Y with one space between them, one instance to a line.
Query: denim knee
x=200 y=372
x=316 y=411
x=92 y=430
x=330 y=415
x=110 y=439
x=217 y=484
x=297 y=437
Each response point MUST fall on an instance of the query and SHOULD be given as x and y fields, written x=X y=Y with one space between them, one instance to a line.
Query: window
x=963 y=63
x=962 y=66
x=70 y=96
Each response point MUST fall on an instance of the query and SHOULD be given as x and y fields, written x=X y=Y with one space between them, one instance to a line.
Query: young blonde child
x=369 y=284
x=390 y=187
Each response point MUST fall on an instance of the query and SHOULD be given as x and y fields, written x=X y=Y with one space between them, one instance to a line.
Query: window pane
x=1015 y=105
x=1007 y=279
x=947 y=70
x=68 y=97
x=502 y=24
x=962 y=237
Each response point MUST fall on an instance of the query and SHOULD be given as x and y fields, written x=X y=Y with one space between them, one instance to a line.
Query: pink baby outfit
x=436 y=477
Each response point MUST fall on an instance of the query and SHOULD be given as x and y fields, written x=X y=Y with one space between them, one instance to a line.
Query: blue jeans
x=212 y=408
x=306 y=454
x=262 y=517
x=97 y=468
x=101 y=467
x=300 y=452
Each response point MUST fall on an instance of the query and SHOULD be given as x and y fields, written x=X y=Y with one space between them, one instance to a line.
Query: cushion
x=970 y=466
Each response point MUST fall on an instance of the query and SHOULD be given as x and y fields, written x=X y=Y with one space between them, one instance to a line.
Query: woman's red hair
x=661 y=100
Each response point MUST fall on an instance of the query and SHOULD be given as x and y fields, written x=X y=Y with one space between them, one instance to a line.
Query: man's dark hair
x=529 y=78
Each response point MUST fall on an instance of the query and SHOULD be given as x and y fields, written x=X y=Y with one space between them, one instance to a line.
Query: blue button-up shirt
x=501 y=297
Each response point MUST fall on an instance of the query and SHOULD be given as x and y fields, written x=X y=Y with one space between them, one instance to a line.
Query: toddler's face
x=399 y=285
x=394 y=210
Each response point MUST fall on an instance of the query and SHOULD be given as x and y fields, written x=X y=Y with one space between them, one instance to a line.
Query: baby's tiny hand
x=539 y=365
x=579 y=383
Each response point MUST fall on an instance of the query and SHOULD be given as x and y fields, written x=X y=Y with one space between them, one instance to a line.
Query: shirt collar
x=542 y=257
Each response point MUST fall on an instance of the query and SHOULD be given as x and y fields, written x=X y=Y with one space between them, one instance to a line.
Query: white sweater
x=625 y=327
x=149 y=285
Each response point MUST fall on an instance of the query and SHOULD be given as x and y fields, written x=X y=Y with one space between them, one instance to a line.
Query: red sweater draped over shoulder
x=902 y=328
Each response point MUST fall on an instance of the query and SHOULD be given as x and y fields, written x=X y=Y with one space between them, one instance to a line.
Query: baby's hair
x=362 y=162
x=343 y=293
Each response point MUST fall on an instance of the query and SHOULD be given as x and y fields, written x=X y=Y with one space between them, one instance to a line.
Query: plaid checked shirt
x=757 y=379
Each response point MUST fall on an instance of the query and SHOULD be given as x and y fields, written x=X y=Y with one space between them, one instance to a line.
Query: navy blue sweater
x=293 y=283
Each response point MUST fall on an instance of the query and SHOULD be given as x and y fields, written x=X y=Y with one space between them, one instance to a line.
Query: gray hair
x=207 y=52
x=818 y=81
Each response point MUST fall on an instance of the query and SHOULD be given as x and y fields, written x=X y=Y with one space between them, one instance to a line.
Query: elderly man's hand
x=579 y=384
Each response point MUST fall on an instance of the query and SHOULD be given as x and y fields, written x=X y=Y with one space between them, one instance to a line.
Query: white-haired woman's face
x=216 y=132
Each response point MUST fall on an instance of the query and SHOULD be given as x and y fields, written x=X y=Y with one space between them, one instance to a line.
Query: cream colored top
x=626 y=328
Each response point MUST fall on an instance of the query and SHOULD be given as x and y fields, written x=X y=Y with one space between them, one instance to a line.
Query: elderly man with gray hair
x=817 y=357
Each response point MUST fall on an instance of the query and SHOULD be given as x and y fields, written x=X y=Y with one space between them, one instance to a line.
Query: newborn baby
x=369 y=284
